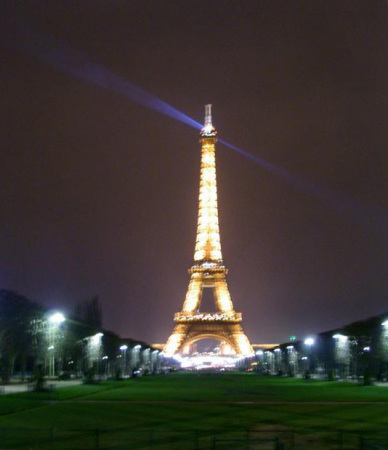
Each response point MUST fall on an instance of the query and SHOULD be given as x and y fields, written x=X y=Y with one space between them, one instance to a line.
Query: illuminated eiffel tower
x=208 y=270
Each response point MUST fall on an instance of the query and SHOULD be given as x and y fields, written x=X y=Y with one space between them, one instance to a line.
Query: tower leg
x=177 y=339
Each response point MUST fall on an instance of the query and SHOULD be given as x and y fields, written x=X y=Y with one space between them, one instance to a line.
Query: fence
x=178 y=439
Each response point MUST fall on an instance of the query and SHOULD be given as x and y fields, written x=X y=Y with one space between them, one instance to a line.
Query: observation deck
x=208 y=268
x=230 y=317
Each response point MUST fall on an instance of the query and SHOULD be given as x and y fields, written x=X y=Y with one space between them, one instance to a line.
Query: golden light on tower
x=208 y=270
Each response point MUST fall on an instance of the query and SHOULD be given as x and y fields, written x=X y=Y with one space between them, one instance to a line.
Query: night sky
x=99 y=194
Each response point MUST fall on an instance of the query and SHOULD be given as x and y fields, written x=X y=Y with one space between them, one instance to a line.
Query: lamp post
x=292 y=361
x=155 y=361
x=146 y=360
x=308 y=342
x=95 y=351
x=105 y=365
x=123 y=349
x=278 y=361
x=135 y=356
x=342 y=355
x=383 y=353
x=54 y=321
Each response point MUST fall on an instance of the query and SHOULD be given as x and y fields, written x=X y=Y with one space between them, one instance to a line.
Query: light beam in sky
x=18 y=33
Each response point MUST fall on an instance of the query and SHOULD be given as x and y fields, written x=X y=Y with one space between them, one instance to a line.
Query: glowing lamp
x=309 y=342
x=340 y=337
x=57 y=318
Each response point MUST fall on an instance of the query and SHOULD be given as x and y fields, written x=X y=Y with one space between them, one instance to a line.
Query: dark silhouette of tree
x=89 y=312
x=17 y=316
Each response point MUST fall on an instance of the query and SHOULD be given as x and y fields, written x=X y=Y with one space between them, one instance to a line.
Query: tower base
x=185 y=334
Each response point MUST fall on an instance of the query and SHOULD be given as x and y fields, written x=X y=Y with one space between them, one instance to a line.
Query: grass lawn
x=184 y=410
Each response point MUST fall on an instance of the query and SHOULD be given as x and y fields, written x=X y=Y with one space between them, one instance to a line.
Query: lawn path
x=220 y=402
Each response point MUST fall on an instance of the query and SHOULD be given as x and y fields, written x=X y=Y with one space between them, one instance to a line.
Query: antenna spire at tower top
x=208 y=129
x=208 y=115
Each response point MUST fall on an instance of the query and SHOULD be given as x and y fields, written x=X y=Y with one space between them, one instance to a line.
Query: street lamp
x=384 y=337
x=292 y=360
x=342 y=354
x=54 y=321
x=309 y=342
x=340 y=337
x=155 y=361
x=95 y=351
x=123 y=349
x=135 y=356
x=56 y=318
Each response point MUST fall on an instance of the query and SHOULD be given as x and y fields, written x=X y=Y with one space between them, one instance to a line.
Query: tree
x=89 y=312
x=17 y=315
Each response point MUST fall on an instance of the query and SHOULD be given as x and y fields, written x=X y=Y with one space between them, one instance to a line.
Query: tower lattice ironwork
x=208 y=270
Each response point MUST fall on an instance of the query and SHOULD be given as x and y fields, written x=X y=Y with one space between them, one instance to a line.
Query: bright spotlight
x=309 y=342
x=57 y=318
x=123 y=347
x=340 y=337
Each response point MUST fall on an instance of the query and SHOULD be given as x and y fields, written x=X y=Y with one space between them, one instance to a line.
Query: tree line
x=33 y=344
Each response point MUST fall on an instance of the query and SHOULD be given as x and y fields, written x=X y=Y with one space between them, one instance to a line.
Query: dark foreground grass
x=186 y=403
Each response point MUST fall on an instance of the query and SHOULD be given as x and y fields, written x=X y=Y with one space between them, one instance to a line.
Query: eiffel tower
x=208 y=270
